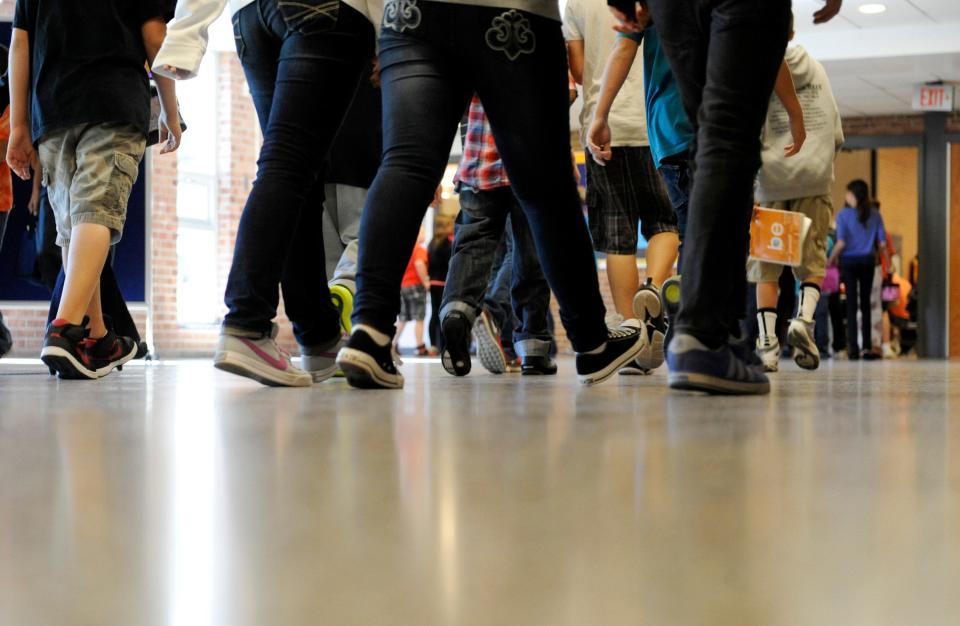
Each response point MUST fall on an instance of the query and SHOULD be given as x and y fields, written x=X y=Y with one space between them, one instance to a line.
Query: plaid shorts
x=625 y=192
x=413 y=304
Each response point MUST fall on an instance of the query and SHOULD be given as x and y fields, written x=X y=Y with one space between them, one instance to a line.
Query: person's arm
x=841 y=243
x=614 y=75
x=154 y=31
x=828 y=12
x=787 y=93
x=575 y=56
x=33 y=206
x=837 y=251
x=186 y=42
x=422 y=272
x=885 y=246
x=20 y=151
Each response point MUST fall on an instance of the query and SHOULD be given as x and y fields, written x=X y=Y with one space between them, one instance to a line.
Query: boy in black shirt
x=83 y=63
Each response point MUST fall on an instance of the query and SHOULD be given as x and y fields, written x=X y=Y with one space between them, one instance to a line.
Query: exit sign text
x=933 y=98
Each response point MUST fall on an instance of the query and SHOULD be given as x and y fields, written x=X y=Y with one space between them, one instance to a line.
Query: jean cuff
x=531 y=348
x=469 y=311
x=236 y=331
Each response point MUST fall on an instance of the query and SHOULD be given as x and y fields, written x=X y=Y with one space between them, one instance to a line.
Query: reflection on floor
x=174 y=494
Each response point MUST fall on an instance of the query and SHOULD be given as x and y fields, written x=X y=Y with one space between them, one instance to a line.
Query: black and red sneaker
x=65 y=351
x=110 y=352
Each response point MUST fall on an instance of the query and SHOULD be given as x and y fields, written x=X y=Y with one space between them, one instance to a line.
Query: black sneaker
x=368 y=365
x=64 y=350
x=538 y=366
x=110 y=352
x=456 y=344
x=143 y=351
x=623 y=345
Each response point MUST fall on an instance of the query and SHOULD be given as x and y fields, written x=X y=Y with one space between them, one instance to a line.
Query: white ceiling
x=874 y=61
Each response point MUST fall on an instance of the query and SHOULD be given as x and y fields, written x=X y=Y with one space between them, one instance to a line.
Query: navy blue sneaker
x=695 y=367
x=745 y=352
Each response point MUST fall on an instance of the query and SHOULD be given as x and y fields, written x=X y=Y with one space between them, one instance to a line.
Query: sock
x=381 y=339
x=809 y=298
x=767 y=320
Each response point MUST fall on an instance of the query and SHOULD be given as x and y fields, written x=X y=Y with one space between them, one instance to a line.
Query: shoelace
x=621 y=333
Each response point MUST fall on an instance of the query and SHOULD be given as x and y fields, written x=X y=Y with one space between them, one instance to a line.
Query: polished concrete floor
x=175 y=495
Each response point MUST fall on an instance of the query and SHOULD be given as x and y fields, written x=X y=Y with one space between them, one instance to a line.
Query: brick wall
x=893 y=125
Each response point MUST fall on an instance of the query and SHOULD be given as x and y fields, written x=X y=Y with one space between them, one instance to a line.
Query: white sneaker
x=648 y=308
x=259 y=359
x=321 y=361
x=889 y=352
x=768 y=348
x=801 y=336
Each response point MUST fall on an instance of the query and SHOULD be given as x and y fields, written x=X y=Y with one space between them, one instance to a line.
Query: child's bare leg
x=83 y=261
x=662 y=252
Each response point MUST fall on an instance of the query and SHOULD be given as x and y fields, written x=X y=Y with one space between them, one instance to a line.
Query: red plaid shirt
x=480 y=165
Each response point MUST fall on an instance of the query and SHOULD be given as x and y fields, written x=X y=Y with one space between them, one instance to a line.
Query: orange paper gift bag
x=778 y=236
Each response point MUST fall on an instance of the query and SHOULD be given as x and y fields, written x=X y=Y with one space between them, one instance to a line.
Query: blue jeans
x=302 y=77
x=481 y=225
x=676 y=178
x=433 y=58
x=725 y=55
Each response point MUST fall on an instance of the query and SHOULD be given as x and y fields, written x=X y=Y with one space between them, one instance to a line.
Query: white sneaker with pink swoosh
x=259 y=359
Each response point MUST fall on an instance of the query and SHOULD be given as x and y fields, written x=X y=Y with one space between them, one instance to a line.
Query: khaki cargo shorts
x=814 y=263
x=89 y=171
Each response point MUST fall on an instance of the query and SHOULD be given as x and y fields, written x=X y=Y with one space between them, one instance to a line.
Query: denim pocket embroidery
x=511 y=34
x=310 y=16
x=401 y=15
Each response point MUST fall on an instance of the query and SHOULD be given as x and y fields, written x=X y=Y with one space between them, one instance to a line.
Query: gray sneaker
x=489 y=348
x=259 y=359
x=321 y=361
x=801 y=336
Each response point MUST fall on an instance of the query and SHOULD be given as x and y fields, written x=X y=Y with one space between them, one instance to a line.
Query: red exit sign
x=933 y=98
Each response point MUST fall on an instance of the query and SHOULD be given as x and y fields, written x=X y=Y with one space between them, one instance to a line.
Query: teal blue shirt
x=668 y=127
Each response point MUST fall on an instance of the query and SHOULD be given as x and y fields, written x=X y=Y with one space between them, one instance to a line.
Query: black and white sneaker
x=633 y=369
x=368 y=365
x=623 y=345
x=648 y=307
x=801 y=336
x=538 y=366
x=489 y=347
x=64 y=350
x=456 y=344
x=110 y=352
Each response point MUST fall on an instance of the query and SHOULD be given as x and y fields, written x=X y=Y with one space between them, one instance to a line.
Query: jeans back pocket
x=308 y=17
x=238 y=36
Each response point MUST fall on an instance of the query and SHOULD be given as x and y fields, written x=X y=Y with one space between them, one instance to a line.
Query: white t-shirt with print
x=590 y=21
